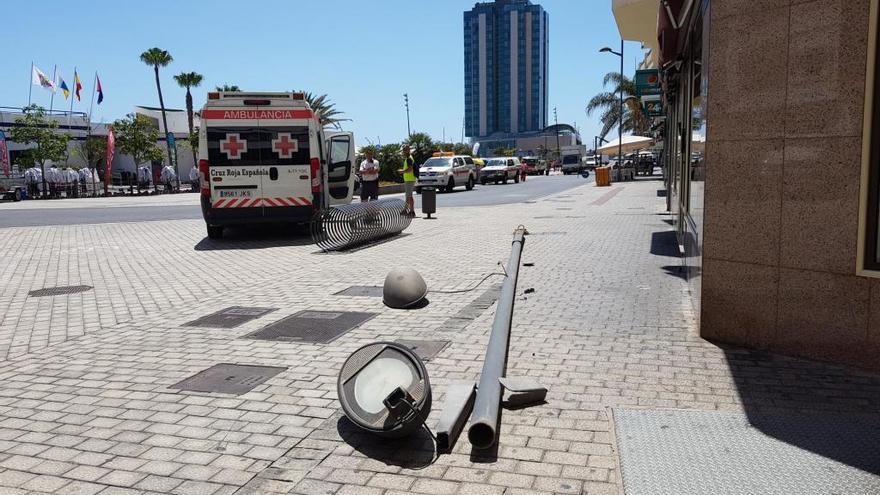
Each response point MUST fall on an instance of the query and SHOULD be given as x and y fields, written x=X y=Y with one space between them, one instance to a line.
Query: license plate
x=245 y=193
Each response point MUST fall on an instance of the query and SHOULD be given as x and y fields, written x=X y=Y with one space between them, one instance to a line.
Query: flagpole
x=54 y=78
x=31 y=86
x=92 y=101
x=72 y=95
x=89 y=135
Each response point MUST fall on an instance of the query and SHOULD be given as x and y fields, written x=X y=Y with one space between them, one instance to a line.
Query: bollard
x=429 y=201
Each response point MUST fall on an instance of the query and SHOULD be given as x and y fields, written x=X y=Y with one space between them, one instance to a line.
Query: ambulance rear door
x=339 y=182
x=285 y=154
x=236 y=174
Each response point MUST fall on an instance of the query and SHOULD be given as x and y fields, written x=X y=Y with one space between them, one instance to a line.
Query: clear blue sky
x=365 y=55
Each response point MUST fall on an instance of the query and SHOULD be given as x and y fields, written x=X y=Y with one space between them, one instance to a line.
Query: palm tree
x=189 y=80
x=228 y=88
x=325 y=110
x=609 y=104
x=157 y=57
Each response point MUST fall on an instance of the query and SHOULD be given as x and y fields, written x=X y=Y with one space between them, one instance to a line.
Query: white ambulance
x=264 y=158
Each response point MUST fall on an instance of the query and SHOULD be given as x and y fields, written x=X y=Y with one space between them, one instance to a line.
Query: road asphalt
x=186 y=206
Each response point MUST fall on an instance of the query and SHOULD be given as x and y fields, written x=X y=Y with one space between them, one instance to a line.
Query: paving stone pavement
x=85 y=403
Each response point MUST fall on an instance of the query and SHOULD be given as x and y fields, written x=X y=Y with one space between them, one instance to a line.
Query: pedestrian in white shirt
x=369 y=178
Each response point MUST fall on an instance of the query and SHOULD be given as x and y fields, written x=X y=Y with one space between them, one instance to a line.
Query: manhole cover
x=361 y=291
x=426 y=349
x=314 y=327
x=60 y=290
x=230 y=317
x=225 y=378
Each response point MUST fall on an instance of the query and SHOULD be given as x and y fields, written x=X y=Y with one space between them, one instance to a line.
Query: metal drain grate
x=675 y=452
x=60 y=290
x=313 y=327
x=225 y=378
x=230 y=317
x=426 y=349
x=361 y=291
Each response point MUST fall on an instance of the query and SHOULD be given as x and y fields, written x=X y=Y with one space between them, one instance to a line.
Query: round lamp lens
x=378 y=379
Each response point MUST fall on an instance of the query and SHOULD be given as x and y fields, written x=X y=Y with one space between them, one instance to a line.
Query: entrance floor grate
x=312 y=327
x=60 y=290
x=677 y=452
x=225 y=378
x=361 y=291
x=230 y=317
x=425 y=349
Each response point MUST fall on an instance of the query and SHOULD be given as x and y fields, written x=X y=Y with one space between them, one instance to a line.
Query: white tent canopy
x=630 y=143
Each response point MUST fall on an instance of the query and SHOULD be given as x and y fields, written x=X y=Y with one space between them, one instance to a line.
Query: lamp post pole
x=558 y=152
x=406 y=104
x=620 y=124
x=620 y=117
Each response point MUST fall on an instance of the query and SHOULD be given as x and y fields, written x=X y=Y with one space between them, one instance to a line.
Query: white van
x=264 y=158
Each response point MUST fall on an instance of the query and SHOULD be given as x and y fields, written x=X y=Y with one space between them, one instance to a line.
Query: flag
x=77 y=85
x=38 y=78
x=64 y=88
x=111 y=148
x=100 y=91
x=4 y=158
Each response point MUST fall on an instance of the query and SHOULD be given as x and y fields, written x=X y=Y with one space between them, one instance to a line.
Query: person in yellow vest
x=409 y=179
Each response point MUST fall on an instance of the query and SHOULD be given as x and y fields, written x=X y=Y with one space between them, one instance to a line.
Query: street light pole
x=406 y=104
x=620 y=124
x=556 y=121
x=620 y=119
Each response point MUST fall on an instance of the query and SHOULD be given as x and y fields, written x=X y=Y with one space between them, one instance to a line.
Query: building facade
x=772 y=153
x=77 y=126
x=505 y=68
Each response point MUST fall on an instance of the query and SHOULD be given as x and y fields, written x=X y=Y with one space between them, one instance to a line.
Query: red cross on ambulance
x=284 y=145
x=233 y=146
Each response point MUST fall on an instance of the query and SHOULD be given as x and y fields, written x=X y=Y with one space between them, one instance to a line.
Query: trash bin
x=429 y=200
x=603 y=177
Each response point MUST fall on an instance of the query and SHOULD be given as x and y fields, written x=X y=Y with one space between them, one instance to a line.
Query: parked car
x=447 y=172
x=532 y=165
x=13 y=188
x=591 y=163
x=571 y=164
x=500 y=170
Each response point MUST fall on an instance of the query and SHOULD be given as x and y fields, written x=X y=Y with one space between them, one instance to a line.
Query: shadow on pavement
x=664 y=244
x=829 y=410
x=367 y=245
x=257 y=237
x=416 y=451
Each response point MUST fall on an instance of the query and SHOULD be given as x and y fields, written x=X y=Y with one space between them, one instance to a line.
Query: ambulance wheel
x=215 y=232
x=17 y=196
x=516 y=179
x=470 y=184
x=451 y=185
